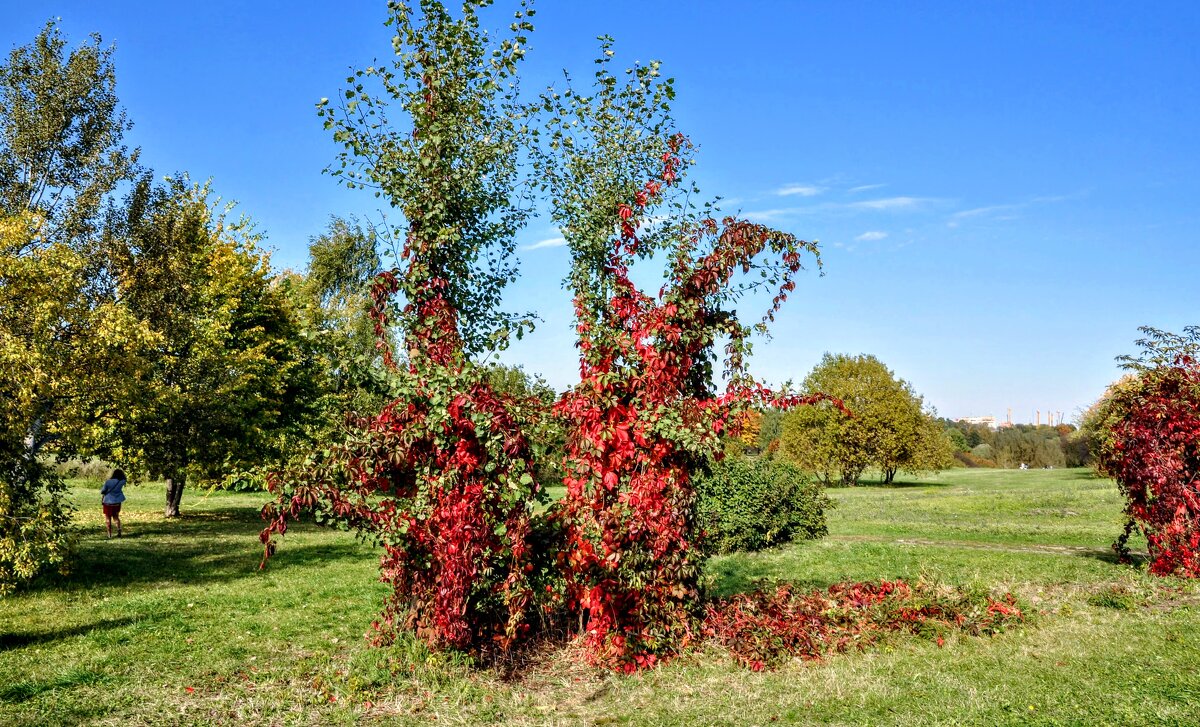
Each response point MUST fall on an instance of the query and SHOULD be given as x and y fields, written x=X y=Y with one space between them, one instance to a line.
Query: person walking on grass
x=111 y=497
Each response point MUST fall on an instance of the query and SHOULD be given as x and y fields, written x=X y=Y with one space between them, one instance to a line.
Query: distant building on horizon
x=988 y=421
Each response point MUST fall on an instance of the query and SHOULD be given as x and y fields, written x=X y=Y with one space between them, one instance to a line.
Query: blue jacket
x=111 y=493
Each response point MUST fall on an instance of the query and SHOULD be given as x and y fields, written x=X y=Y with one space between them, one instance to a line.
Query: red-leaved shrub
x=1154 y=454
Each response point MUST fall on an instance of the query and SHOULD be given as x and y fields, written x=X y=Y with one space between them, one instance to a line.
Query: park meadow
x=174 y=624
x=375 y=514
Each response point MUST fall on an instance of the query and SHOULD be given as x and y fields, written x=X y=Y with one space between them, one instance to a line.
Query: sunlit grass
x=174 y=624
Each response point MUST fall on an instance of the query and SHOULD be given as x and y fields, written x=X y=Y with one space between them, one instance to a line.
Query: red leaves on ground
x=765 y=628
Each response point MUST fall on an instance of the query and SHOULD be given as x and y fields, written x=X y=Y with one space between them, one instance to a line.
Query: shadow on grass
x=24 y=689
x=742 y=572
x=206 y=546
x=19 y=639
x=746 y=577
x=1136 y=559
x=897 y=485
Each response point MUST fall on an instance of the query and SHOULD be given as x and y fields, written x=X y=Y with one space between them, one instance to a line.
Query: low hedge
x=749 y=505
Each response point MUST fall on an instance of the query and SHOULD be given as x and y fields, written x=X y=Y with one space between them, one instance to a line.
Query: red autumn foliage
x=442 y=479
x=442 y=476
x=1155 y=459
x=764 y=628
x=644 y=418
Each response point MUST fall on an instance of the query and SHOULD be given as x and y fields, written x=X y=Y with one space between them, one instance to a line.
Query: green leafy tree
x=61 y=332
x=770 y=431
x=454 y=174
x=333 y=298
x=1033 y=446
x=1097 y=422
x=890 y=428
x=60 y=135
x=958 y=440
x=221 y=371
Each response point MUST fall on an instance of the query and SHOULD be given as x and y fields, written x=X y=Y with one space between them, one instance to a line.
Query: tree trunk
x=174 y=495
x=889 y=475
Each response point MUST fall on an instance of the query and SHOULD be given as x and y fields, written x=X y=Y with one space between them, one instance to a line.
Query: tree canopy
x=219 y=369
x=61 y=131
x=890 y=428
x=61 y=332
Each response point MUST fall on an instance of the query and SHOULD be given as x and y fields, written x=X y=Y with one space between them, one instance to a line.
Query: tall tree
x=61 y=131
x=442 y=476
x=890 y=428
x=47 y=350
x=334 y=301
x=220 y=370
x=60 y=330
x=650 y=409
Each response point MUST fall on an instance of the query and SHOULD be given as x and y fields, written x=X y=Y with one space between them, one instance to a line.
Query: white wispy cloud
x=981 y=211
x=1008 y=211
x=892 y=203
x=872 y=235
x=865 y=188
x=768 y=215
x=551 y=242
x=802 y=190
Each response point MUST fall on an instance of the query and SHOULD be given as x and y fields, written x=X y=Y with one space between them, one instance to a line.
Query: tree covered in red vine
x=442 y=476
x=1153 y=450
x=648 y=412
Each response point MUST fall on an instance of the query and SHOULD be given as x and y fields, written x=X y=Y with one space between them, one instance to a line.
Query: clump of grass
x=1117 y=597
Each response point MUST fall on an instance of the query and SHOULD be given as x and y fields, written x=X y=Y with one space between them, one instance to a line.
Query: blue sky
x=1003 y=192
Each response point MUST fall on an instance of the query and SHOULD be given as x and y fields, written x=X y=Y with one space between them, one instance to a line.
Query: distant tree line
x=1036 y=446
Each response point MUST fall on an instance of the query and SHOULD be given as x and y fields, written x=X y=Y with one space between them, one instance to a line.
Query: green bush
x=750 y=505
x=75 y=469
x=36 y=535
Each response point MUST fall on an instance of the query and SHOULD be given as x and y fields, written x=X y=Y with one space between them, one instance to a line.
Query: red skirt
x=112 y=510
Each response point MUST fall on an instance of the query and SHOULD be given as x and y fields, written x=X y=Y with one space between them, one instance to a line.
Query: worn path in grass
x=173 y=625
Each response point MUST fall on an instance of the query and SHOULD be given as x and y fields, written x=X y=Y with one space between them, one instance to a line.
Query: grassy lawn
x=173 y=624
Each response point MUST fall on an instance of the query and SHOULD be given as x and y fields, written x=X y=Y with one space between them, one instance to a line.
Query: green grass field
x=173 y=624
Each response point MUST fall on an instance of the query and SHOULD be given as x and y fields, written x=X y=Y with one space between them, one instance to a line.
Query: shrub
x=983 y=451
x=970 y=460
x=36 y=535
x=750 y=505
x=92 y=469
x=1155 y=458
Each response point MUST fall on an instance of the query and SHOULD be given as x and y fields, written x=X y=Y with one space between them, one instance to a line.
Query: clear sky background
x=1003 y=192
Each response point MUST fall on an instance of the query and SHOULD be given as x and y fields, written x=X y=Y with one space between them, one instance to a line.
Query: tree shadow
x=26 y=689
x=19 y=639
x=205 y=546
x=898 y=484
x=1081 y=473
x=1136 y=559
x=742 y=573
